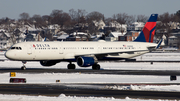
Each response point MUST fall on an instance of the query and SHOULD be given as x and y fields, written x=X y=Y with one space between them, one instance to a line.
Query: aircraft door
x=61 y=49
x=99 y=48
x=29 y=49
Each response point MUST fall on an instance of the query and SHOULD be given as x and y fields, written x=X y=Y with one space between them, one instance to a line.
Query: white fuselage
x=36 y=51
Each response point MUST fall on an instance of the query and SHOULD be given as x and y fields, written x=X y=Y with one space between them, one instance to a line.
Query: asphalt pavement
x=97 y=90
x=89 y=71
x=57 y=89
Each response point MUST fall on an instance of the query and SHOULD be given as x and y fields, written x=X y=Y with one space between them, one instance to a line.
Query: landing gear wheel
x=96 y=67
x=71 y=66
x=23 y=68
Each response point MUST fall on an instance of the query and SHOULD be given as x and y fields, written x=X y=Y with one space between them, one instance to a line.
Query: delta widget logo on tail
x=147 y=34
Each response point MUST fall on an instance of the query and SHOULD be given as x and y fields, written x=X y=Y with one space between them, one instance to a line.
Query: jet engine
x=86 y=61
x=48 y=63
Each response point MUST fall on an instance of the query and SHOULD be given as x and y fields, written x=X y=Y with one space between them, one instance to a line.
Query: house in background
x=63 y=37
x=78 y=36
x=113 y=36
x=99 y=24
x=173 y=41
x=136 y=26
x=130 y=36
x=5 y=40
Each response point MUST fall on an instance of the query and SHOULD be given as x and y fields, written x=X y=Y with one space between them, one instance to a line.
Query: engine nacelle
x=86 y=61
x=48 y=63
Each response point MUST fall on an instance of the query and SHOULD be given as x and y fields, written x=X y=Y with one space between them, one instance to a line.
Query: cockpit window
x=16 y=48
x=13 y=48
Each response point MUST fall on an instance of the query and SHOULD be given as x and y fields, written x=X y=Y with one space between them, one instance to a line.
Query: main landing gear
x=96 y=67
x=23 y=67
x=71 y=66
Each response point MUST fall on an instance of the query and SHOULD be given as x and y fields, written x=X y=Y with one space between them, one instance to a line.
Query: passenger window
x=20 y=48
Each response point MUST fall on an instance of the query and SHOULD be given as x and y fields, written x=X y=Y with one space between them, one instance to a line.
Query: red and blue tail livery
x=147 y=34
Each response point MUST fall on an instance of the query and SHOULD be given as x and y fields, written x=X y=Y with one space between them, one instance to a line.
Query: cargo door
x=138 y=47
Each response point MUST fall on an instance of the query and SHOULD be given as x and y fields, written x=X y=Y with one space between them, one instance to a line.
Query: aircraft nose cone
x=8 y=55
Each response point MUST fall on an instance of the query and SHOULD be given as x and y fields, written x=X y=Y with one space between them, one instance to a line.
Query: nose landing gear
x=23 y=67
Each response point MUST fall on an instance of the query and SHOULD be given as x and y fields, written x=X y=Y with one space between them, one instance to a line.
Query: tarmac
x=57 y=89
x=83 y=89
x=89 y=71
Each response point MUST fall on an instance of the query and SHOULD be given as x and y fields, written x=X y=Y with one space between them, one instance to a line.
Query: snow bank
x=170 y=88
x=87 y=78
x=62 y=97
x=74 y=78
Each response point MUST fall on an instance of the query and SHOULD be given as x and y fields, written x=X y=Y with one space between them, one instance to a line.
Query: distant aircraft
x=85 y=53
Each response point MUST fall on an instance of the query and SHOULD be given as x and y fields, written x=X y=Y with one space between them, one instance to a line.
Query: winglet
x=159 y=43
x=45 y=39
x=147 y=34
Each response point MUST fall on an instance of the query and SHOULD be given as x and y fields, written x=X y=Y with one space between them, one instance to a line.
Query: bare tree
x=166 y=17
x=108 y=20
x=73 y=15
x=2 y=21
x=46 y=18
x=163 y=26
x=24 y=16
x=61 y=18
x=124 y=18
x=56 y=13
x=81 y=13
x=90 y=18
x=76 y=16
x=38 y=21
x=94 y=16
x=141 y=18
x=177 y=16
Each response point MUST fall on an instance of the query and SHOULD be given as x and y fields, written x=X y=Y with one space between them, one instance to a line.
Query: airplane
x=85 y=54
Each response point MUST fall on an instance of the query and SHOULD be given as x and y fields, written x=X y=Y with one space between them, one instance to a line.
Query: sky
x=13 y=8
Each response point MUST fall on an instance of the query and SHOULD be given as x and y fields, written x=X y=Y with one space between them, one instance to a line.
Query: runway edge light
x=12 y=74
x=58 y=81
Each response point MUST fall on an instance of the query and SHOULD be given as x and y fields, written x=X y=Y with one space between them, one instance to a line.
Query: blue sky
x=12 y=8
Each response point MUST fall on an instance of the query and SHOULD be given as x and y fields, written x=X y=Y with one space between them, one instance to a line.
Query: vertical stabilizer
x=147 y=34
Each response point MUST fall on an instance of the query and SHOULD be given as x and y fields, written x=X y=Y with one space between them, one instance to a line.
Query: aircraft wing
x=155 y=46
x=109 y=53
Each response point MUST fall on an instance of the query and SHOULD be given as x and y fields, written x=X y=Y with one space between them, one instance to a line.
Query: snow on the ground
x=87 y=78
x=51 y=78
x=100 y=78
x=171 y=88
x=104 y=65
x=159 y=56
x=63 y=97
